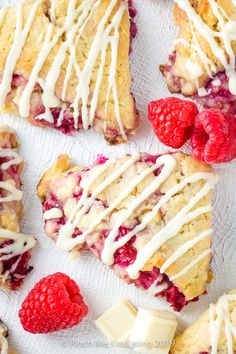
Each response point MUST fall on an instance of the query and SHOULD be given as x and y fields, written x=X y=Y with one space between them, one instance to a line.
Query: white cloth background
x=99 y=285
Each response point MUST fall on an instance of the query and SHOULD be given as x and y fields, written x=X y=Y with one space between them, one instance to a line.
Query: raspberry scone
x=15 y=247
x=213 y=333
x=202 y=65
x=4 y=346
x=148 y=217
x=65 y=64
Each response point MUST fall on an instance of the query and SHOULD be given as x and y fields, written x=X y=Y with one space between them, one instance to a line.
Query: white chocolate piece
x=117 y=322
x=154 y=330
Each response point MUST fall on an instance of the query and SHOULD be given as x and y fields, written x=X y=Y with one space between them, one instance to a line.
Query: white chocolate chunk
x=117 y=322
x=153 y=331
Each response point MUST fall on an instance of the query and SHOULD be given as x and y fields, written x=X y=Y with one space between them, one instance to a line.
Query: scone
x=15 y=247
x=4 y=346
x=148 y=217
x=213 y=333
x=65 y=64
x=202 y=65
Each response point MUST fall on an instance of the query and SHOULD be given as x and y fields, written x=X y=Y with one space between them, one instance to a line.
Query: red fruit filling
x=51 y=202
x=100 y=160
x=171 y=294
x=218 y=96
x=127 y=254
x=16 y=274
x=133 y=26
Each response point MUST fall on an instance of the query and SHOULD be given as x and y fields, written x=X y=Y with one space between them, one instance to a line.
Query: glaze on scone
x=15 y=248
x=203 y=62
x=57 y=43
x=202 y=337
x=121 y=208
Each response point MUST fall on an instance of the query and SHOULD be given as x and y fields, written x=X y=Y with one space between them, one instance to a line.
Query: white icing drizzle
x=170 y=230
x=155 y=289
x=16 y=159
x=22 y=243
x=53 y=213
x=52 y=12
x=220 y=320
x=107 y=34
x=14 y=193
x=3 y=340
x=191 y=265
x=183 y=249
x=226 y=34
x=16 y=49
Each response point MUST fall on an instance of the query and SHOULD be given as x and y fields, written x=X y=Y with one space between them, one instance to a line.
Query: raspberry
x=53 y=304
x=214 y=136
x=172 y=120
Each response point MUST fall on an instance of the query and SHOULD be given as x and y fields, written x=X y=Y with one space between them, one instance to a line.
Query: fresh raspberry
x=53 y=304
x=172 y=120
x=214 y=136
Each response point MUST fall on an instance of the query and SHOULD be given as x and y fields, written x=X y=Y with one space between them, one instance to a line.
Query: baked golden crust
x=191 y=46
x=196 y=339
x=191 y=284
x=105 y=115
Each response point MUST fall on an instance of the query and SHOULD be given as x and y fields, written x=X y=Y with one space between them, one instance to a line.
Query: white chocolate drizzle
x=167 y=163
x=156 y=288
x=16 y=159
x=3 y=340
x=107 y=35
x=14 y=193
x=53 y=213
x=220 y=323
x=21 y=244
x=225 y=33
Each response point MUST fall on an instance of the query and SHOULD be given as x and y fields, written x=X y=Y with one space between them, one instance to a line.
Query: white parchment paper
x=99 y=285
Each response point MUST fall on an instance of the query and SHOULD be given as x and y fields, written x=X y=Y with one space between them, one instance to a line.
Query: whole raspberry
x=172 y=120
x=53 y=304
x=214 y=136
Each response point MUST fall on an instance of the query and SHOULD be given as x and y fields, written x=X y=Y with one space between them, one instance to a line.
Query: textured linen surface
x=99 y=285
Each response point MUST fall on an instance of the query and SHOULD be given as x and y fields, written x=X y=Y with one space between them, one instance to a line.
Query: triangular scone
x=148 y=217
x=202 y=64
x=65 y=64
x=213 y=333
x=15 y=248
x=5 y=348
